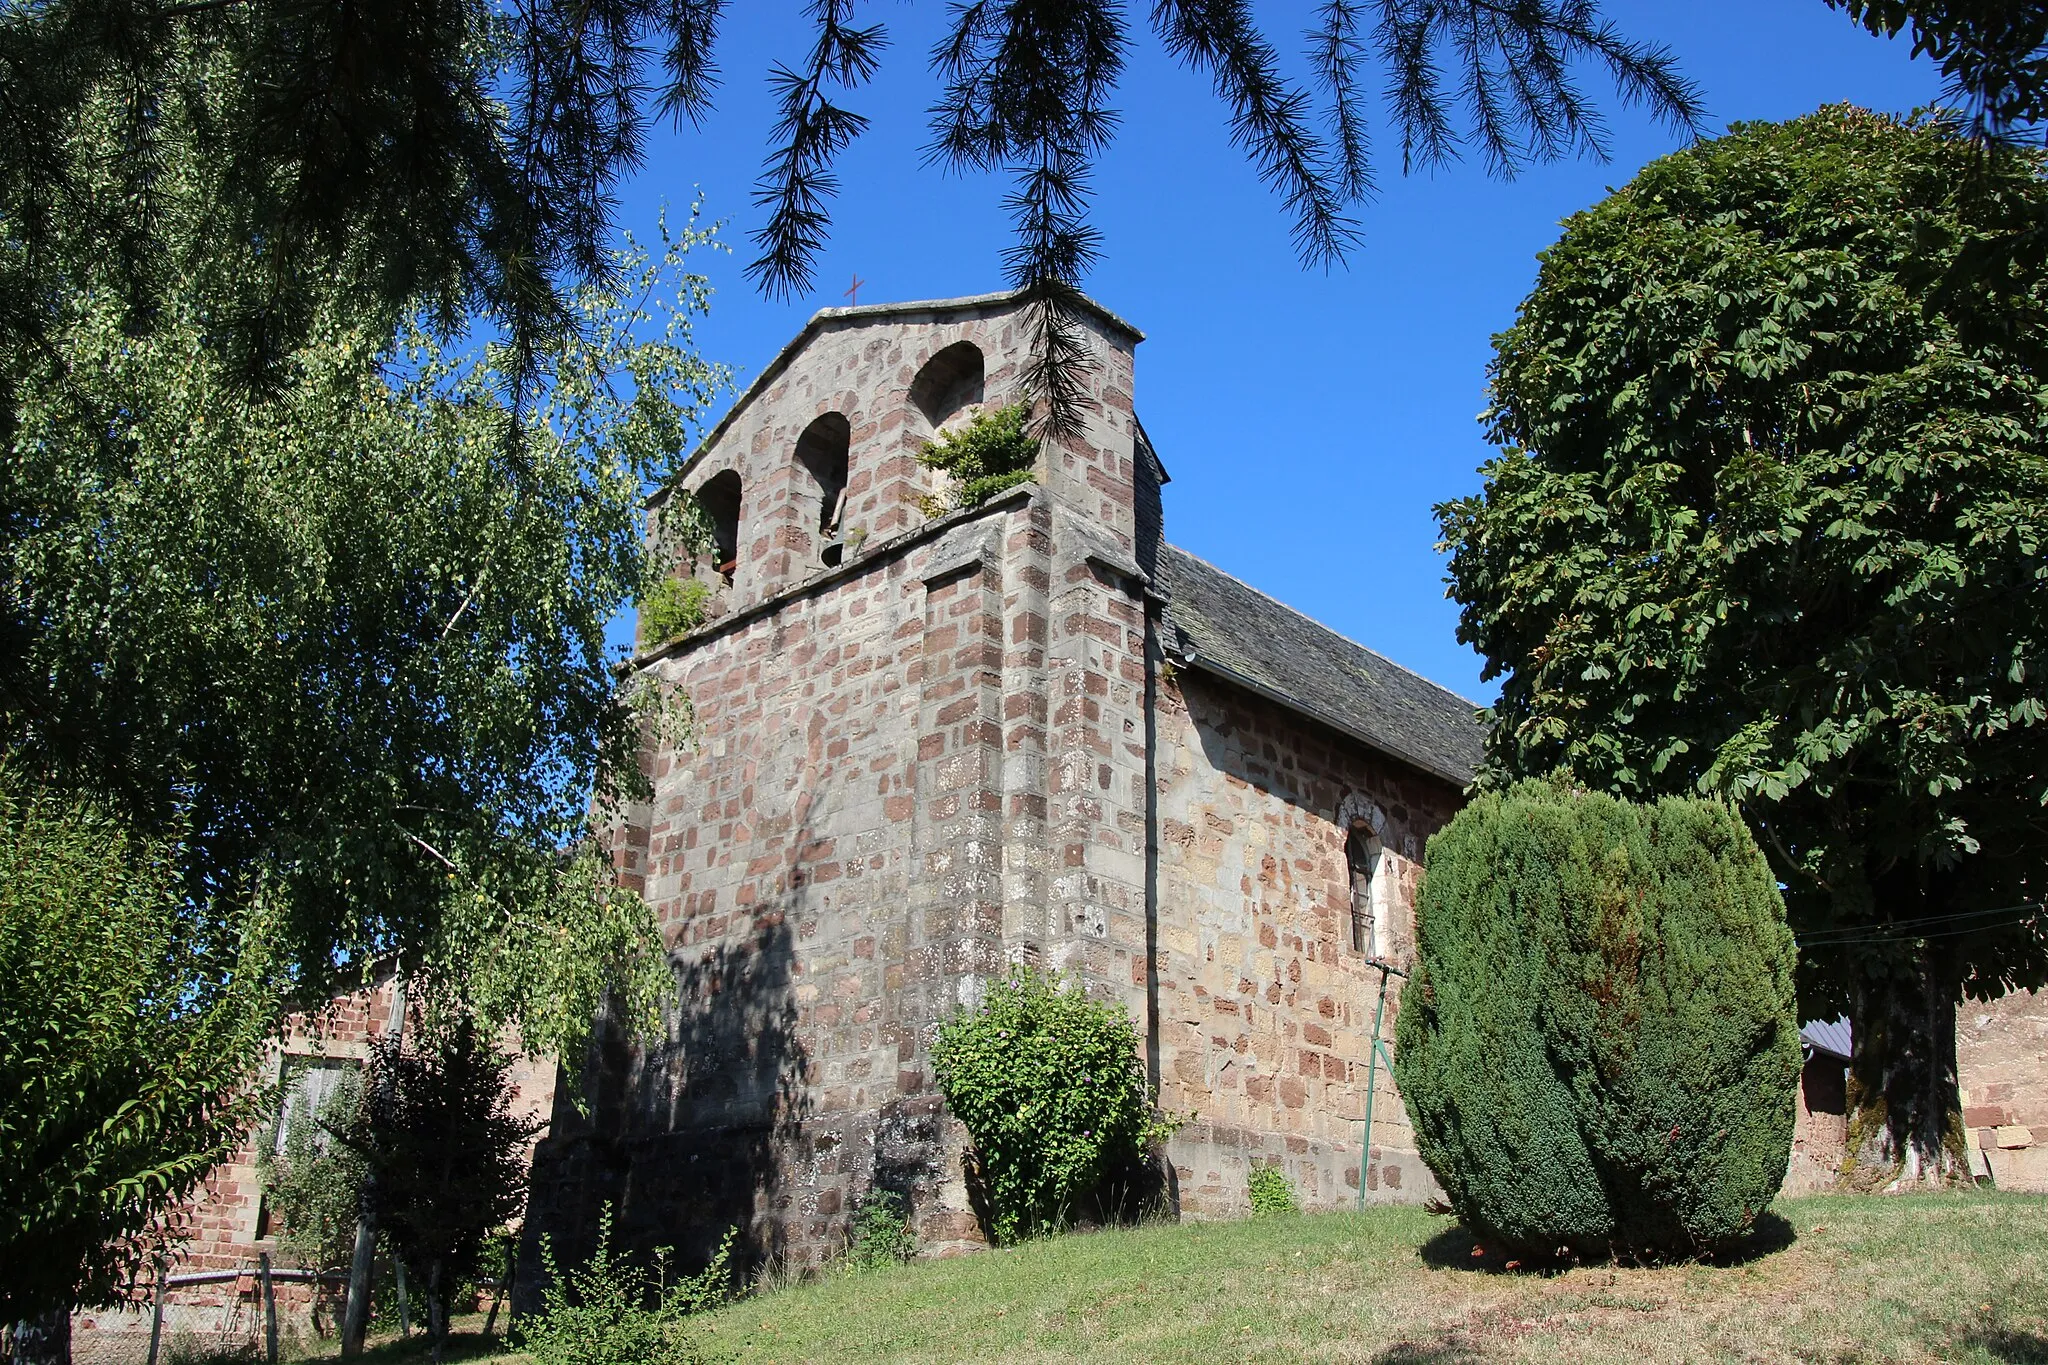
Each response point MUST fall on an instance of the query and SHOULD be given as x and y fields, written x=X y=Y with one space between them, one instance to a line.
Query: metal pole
x=1372 y=1076
x=269 y=1308
x=156 y=1314
x=1372 y=1072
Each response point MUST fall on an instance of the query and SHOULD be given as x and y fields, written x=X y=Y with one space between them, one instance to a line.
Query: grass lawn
x=1960 y=1278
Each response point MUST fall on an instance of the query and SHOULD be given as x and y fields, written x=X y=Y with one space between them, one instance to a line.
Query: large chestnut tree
x=1770 y=520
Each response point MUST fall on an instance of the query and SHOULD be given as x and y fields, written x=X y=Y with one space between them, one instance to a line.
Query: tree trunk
x=1905 y=1106
x=355 y=1309
x=437 y=1308
x=44 y=1340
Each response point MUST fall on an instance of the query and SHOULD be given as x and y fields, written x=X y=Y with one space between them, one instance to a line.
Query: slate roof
x=1230 y=629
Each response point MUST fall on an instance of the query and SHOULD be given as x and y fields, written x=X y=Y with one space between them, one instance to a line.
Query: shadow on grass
x=459 y=1346
x=2014 y=1348
x=1446 y=1350
x=1455 y=1248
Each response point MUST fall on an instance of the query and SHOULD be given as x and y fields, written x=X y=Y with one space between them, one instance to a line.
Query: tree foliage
x=347 y=631
x=1993 y=52
x=130 y=1033
x=1051 y=1087
x=469 y=153
x=1769 y=522
x=446 y=1156
x=1599 y=1048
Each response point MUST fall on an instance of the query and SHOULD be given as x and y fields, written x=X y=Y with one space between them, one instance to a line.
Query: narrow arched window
x=950 y=381
x=1361 y=860
x=720 y=499
x=821 y=452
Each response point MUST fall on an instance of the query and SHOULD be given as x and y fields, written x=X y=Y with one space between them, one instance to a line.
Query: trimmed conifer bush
x=1599 y=1046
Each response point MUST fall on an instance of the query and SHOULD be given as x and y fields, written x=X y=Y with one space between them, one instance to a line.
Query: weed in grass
x=1269 y=1191
x=881 y=1234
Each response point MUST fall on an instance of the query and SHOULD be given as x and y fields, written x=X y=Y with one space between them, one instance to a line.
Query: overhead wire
x=1927 y=926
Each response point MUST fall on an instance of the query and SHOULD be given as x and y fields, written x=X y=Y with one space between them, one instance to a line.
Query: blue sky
x=1310 y=421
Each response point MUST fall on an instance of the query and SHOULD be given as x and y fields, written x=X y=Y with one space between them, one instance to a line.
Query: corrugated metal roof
x=1831 y=1036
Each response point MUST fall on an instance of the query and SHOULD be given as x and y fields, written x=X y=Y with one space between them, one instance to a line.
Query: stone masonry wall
x=2002 y=1063
x=906 y=772
x=1266 y=1010
x=951 y=752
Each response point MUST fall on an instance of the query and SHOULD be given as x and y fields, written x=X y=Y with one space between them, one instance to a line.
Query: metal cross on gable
x=852 y=296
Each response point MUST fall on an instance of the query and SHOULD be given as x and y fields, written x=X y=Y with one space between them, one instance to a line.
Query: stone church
x=928 y=746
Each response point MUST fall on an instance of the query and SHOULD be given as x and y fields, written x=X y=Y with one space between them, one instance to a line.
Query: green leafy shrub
x=881 y=1234
x=1270 y=1192
x=1598 y=1048
x=1049 y=1085
x=991 y=453
x=612 y=1310
x=672 y=609
x=313 y=1183
x=132 y=1021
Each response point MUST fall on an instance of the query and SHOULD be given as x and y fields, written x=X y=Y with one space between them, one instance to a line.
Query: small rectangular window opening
x=1361 y=856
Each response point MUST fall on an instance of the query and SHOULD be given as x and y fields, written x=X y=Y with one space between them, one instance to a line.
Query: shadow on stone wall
x=1129 y=1194
x=681 y=1139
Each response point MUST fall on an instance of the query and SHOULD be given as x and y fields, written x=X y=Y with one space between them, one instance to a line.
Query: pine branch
x=1514 y=58
x=798 y=182
x=1027 y=89
x=692 y=26
x=1269 y=117
x=1415 y=85
x=1335 y=53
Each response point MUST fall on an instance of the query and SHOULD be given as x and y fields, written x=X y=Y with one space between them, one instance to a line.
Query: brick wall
x=221 y=1227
